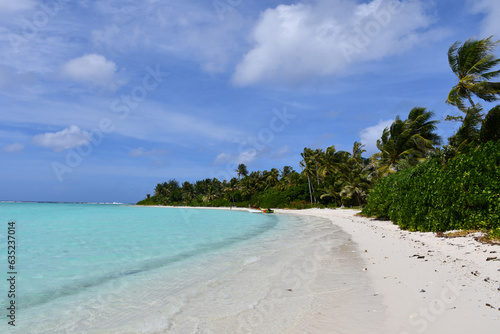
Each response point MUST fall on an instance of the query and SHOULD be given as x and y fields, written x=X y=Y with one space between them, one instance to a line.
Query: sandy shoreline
x=427 y=284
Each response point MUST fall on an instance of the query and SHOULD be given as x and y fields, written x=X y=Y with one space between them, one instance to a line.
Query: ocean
x=96 y=268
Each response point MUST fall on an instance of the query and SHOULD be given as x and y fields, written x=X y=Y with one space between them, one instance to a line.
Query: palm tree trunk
x=317 y=176
x=310 y=192
x=358 y=198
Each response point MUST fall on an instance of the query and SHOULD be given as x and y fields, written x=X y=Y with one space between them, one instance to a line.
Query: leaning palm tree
x=473 y=64
x=406 y=141
x=422 y=129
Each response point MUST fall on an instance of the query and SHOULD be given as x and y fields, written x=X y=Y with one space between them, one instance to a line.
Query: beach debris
x=290 y=290
x=491 y=258
x=423 y=290
x=366 y=251
x=365 y=269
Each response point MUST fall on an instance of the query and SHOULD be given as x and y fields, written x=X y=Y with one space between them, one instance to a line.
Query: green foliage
x=469 y=131
x=274 y=198
x=149 y=201
x=490 y=131
x=494 y=234
x=464 y=194
x=405 y=143
x=473 y=63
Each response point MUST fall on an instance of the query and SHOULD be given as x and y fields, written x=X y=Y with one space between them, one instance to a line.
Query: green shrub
x=465 y=194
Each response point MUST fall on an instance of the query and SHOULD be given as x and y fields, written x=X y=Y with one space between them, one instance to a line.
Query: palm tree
x=242 y=170
x=306 y=165
x=356 y=184
x=469 y=132
x=330 y=191
x=422 y=129
x=472 y=63
x=407 y=141
x=272 y=178
x=490 y=130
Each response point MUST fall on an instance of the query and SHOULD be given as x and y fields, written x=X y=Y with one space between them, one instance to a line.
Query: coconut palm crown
x=473 y=64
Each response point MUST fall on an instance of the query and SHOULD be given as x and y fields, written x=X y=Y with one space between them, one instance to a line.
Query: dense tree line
x=331 y=178
x=327 y=178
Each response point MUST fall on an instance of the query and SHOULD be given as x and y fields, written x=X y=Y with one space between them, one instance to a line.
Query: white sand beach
x=404 y=282
x=428 y=284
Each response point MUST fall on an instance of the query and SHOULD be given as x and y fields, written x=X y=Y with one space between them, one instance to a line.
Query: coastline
x=427 y=284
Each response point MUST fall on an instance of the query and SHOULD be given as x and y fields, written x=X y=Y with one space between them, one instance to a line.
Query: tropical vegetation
x=411 y=180
x=458 y=186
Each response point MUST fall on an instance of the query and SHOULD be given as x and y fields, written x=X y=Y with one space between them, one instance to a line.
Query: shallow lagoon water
x=87 y=268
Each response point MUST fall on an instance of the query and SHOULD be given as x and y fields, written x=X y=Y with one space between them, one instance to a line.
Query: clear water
x=65 y=251
x=89 y=268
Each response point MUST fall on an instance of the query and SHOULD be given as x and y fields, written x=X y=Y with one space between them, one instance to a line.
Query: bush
x=465 y=194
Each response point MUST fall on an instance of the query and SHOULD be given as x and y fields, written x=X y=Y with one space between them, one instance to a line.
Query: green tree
x=242 y=171
x=490 y=130
x=469 y=131
x=406 y=141
x=473 y=64
x=308 y=168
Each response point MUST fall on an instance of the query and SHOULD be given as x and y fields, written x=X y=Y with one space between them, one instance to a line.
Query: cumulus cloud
x=142 y=152
x=92 y=69
x=10 y=6
x=64 y=139
x=370 y=135
x=491 y=9
x=13 y=148
x=298 y=42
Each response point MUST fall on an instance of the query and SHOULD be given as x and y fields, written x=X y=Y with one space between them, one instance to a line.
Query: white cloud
x=9 y=6
x=142 y=152
x=491 y=9
x=223 y=158
x=92 y=69
x=180 y=28
x=244 y=157
x=67 y=138
x=295 y=43
x=14 y=148
x=370 y=135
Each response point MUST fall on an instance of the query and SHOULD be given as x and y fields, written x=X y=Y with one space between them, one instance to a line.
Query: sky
x=102 y=100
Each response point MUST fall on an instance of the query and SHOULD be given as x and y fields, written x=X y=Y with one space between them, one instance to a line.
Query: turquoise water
x=71 y=254
x=109 y=269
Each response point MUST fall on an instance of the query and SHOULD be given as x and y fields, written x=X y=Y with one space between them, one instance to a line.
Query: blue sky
x=101 y=100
